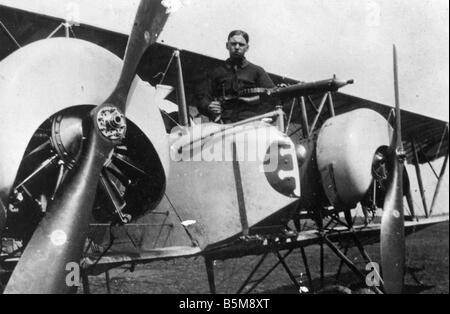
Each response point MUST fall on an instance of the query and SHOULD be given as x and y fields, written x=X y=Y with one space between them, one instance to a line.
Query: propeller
x=392 y=238
x=57 y=243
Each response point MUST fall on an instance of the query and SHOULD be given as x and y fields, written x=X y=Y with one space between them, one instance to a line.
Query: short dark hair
x=239 y=32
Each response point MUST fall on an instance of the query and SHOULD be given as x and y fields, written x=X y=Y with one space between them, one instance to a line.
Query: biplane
x=105 y=168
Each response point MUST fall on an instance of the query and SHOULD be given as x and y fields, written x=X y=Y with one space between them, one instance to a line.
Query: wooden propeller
x=392 y=238
x=59 y=238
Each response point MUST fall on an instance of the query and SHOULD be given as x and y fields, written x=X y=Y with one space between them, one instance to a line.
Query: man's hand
x=215 y=107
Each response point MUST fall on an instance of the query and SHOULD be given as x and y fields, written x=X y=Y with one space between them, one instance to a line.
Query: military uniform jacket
x=229 y=79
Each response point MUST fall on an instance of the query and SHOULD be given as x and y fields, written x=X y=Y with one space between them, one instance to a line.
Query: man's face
x=237 y=46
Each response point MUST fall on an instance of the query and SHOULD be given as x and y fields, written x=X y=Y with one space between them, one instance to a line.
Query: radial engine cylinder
x=346 y=147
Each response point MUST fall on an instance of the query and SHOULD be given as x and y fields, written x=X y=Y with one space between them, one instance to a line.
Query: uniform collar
x=241 y=65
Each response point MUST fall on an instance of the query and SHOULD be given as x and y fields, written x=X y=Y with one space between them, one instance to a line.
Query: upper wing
x=430 y=135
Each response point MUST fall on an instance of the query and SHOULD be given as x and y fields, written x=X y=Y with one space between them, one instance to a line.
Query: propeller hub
x=111 y=123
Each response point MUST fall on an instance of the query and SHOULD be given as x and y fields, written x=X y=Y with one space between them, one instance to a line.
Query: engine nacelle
x=46 y=88
x=346 y=147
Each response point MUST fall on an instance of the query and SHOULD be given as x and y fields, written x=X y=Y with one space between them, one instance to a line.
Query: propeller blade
x=60 y=236
x=45 y=265
x=392 y=238
x=148 y=24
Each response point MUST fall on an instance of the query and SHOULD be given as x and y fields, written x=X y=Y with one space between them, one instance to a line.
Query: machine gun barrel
x=252 y=96
x=309 y=88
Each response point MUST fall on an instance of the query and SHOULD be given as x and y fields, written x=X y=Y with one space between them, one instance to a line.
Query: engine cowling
x=45 y=89
x=346 y=147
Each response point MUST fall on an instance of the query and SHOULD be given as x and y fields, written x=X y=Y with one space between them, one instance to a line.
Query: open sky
x=307 y=40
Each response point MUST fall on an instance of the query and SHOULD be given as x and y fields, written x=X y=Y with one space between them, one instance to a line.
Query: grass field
x=427 y=251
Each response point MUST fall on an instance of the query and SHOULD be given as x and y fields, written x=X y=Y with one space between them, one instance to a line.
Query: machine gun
x=299 y=89
x=252 y=96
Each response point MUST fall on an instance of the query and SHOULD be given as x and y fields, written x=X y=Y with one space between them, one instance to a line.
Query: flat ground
x=427 y=251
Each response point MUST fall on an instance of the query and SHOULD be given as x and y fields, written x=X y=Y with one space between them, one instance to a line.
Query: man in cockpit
x=219 y=95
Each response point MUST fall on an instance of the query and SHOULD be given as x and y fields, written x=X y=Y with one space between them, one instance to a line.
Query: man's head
x=237 y=44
